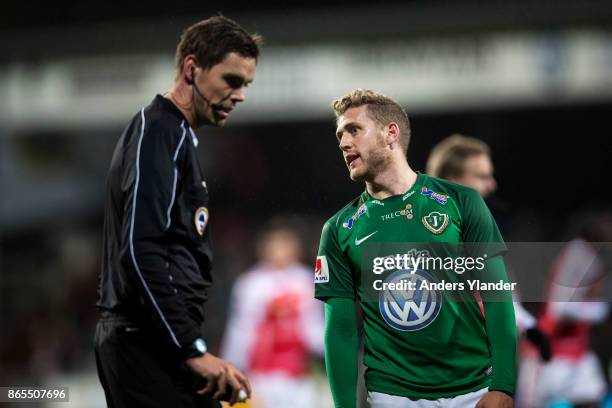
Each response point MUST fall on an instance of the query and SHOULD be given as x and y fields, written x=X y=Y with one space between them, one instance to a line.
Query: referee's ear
x=189 y=67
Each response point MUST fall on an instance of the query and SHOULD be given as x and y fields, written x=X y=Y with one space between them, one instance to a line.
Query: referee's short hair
x=212 y=39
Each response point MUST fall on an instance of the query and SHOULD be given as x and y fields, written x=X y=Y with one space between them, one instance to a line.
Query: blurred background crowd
x=531 y=79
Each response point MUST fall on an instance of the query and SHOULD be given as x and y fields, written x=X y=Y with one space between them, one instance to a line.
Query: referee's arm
x=153 y=180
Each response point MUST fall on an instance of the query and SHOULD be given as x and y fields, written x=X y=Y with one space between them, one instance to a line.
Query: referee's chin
x=216 y=121
x=213 y=122
x=220 y=123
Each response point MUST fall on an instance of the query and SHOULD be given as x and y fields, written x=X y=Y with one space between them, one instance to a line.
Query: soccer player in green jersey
x=419 y=352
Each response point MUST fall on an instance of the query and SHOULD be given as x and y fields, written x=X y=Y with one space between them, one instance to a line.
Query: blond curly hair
x=381 y=108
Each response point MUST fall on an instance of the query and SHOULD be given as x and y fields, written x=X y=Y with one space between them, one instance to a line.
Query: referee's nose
x=239 y=95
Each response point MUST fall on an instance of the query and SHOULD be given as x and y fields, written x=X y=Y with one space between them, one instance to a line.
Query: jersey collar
x=169 y=107
x=420 y=180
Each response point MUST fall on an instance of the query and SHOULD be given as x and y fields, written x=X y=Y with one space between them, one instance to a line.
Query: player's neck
x=181 y=96
x=397 y=179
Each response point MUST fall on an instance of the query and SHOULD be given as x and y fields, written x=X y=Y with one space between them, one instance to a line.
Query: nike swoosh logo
x=360 y=241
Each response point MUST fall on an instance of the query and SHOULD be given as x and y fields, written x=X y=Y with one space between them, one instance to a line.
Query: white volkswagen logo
x=410 y=310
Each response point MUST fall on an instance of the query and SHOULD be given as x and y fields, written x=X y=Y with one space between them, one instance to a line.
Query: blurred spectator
x=275 y=325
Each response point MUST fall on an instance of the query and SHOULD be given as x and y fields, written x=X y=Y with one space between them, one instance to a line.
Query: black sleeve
x=148 y=202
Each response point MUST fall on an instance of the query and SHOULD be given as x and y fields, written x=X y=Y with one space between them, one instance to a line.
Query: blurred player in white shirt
x=275 y=324
x=575 y=303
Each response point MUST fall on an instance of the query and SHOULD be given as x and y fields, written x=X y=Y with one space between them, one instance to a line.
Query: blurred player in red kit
x=275 y=325
x=575 y=302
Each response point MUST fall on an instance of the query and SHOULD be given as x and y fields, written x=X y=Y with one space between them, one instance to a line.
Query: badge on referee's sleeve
x=201 y=219
x=321 y=270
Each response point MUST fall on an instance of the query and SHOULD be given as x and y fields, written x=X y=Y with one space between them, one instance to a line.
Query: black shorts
x=137 y=369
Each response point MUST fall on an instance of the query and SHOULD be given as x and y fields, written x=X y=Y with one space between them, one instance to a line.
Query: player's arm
x=151 y=184
x=341 y=350
x=334 y=285
x=526 y=324
x=501 y=328
x=483 y=239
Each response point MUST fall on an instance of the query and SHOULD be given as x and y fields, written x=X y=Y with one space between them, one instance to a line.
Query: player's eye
x=353 y=130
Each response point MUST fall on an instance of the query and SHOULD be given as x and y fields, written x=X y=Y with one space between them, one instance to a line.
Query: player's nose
x=344 y=143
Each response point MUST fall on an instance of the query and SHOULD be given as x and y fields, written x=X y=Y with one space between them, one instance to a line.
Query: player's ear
x=393 y=134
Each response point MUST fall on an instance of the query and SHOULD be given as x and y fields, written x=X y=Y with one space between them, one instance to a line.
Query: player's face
x=224 y=86
x=478 y=174
x=280 y=249
x=361 y=140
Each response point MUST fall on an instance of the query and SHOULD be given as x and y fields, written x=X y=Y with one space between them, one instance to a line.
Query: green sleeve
x=501 y=329
x=333 y=276
x=341 y=350
x=479 y=230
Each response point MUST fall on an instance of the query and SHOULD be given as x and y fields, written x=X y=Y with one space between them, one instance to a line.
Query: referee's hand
x=220 y=377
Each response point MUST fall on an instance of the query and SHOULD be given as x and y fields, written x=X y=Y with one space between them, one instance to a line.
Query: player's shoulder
x=457 y=192
x=336 y=220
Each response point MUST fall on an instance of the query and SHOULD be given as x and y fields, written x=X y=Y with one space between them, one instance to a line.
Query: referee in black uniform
x=149 y=343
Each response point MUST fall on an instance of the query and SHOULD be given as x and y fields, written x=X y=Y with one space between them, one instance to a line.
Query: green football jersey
x=426 y=347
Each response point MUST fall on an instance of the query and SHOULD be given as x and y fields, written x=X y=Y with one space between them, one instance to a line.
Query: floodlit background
x=532 y=79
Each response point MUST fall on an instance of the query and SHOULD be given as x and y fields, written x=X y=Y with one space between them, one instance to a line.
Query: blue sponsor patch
x=440 y=198
x=349 y=224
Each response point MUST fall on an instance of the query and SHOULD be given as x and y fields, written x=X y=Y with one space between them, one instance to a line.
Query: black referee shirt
x=156 y=253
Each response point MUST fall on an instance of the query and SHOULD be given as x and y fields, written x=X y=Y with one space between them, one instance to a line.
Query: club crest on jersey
x=349 y=224
x=410 y=310
x=440 y=198
x=436 y=222
x=321 y=270
x=201 y=219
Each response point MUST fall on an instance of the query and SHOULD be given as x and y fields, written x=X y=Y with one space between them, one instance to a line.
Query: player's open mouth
x=350 y=158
